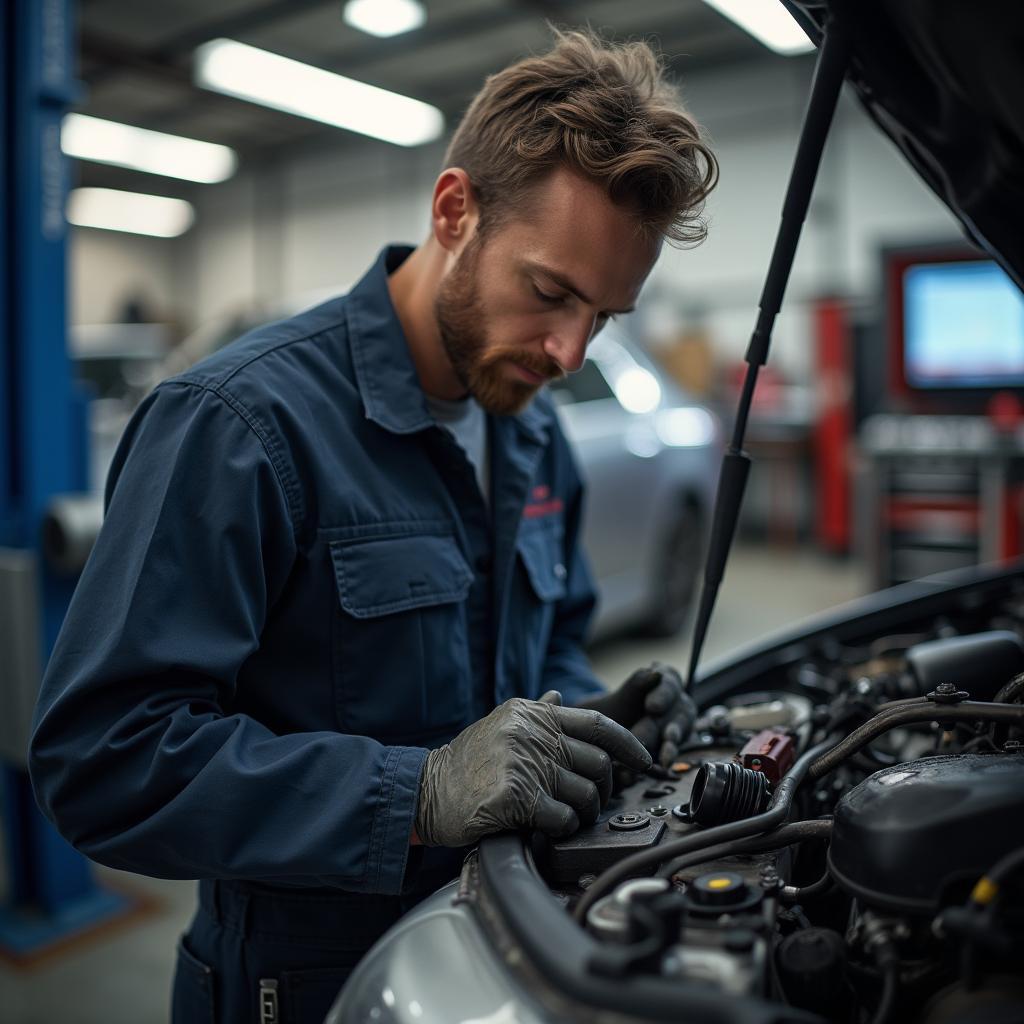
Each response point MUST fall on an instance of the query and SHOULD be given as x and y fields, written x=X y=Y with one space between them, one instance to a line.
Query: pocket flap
x=542 y=557
x=380 y=576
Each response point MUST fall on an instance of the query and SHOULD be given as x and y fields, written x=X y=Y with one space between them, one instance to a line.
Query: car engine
x=892 y=888
x=840 y=839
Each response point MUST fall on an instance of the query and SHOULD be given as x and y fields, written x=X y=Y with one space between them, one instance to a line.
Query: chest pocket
x=541 y=583
x=400 y=653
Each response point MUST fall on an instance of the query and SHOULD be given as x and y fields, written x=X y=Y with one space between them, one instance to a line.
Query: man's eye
x=544 y=297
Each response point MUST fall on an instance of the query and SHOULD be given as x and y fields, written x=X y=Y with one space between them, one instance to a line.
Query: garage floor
x=123 y=977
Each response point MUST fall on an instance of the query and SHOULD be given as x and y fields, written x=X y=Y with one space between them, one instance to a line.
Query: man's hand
x=654 y=705
x=528 y=764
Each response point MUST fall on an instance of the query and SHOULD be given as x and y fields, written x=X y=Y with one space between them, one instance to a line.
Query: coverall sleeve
x=135 y=755
x=566 y=666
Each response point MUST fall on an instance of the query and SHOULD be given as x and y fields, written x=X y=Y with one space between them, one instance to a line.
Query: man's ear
x=454 y=213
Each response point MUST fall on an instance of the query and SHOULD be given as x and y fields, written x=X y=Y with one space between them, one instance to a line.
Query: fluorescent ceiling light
x=384 y=17
x=107 y=142
x=237 y=69
x=114 y=210
x=768 y=22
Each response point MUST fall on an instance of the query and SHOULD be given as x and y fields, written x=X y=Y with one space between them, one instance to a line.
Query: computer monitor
x=963 y=326
x=956 y=327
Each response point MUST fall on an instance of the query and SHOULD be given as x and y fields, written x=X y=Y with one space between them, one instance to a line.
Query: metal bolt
x=947 y=693
x=628 y=822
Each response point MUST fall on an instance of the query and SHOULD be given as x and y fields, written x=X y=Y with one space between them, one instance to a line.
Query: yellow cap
x=985 y=891
x=720 y=883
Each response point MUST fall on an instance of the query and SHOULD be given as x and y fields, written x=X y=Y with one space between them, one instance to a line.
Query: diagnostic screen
x=963 y=326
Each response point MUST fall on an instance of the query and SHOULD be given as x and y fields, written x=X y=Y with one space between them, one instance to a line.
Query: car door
x=620 y=473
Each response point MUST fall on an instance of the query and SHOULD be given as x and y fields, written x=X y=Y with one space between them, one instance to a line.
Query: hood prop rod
x=828 y=78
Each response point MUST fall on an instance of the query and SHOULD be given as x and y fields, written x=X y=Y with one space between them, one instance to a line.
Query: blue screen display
x=963 y=326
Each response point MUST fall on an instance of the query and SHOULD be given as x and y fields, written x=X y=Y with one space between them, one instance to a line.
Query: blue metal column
x=8 y=527
x=41 y=421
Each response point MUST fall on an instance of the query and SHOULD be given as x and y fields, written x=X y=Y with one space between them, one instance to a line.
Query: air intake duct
x=723 y=791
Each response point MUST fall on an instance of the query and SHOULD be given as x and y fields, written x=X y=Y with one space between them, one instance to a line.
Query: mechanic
x=340 y=563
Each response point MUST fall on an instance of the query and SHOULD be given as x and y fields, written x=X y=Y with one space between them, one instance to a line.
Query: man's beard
x=479 y=364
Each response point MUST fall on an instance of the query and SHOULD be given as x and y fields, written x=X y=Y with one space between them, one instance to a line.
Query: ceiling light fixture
x=384 y=18
x=107 y=142
x=259 y=76
x=768 y=22
x=139 y=214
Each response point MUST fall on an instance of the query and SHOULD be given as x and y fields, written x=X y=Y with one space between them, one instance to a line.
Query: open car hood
x=944 y=80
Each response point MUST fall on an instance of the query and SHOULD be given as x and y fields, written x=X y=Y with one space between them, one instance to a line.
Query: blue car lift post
x=50 y=893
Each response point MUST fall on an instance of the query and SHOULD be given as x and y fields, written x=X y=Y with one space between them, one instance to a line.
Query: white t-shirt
x=467 y=423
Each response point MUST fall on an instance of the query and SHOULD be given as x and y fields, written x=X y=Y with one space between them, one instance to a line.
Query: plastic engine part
x=725 y=792
x=916 y=835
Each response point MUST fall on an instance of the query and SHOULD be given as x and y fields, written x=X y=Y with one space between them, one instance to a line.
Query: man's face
x=523 y=300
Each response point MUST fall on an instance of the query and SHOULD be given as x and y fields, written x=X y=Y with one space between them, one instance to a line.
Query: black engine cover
x=908 y=833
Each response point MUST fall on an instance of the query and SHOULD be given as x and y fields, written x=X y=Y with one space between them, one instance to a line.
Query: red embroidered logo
x=541 y=503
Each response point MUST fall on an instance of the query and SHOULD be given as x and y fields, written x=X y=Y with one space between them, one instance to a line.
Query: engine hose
x=793 y=894
x=786 y=835
x=1011 y=691
x=904 y=703
x=965 y=711
x=890 y=984
x=638 y=863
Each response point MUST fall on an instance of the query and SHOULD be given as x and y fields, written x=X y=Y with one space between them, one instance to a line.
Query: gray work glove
x=528 y=764
x=654 y=705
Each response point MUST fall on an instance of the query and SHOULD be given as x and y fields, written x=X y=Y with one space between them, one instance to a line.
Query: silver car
x=649 y=457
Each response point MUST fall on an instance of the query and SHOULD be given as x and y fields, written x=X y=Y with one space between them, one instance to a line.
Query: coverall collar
x=386 y=375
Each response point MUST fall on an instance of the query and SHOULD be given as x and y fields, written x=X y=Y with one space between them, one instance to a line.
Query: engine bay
x=842 y=834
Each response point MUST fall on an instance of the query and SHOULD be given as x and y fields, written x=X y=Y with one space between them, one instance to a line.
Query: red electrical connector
x=770 y=752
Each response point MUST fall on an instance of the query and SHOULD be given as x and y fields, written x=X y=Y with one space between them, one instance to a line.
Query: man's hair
x=602 y=110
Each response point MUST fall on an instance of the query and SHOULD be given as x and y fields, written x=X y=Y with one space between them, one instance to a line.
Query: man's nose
x=568 y=345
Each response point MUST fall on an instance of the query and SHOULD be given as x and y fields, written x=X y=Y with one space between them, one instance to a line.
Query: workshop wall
x=107 y=268
x=300 y=228
x=865 y=197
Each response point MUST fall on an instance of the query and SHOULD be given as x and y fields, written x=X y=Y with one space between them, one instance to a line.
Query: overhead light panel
x=114 y=210
x=768 y=22
x=384 y=17
x=259 y=76
x=107 y=142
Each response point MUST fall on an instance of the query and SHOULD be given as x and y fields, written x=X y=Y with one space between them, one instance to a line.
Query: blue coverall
x=298 y=590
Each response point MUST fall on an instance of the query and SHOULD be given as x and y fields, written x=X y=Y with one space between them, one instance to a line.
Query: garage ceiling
x=136 y=61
